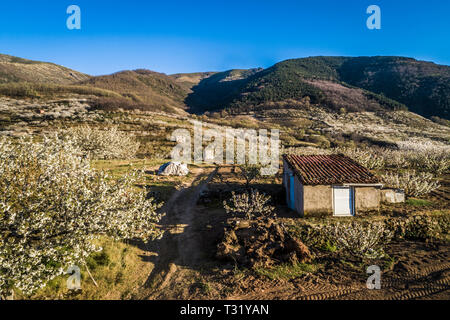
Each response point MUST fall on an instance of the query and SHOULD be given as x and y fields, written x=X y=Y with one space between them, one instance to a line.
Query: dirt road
x=179 y=246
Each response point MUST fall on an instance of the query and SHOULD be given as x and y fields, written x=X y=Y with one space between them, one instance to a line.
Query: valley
x=390 y=114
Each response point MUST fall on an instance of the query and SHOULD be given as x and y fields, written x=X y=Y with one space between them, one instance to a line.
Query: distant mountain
x=14 y=69
x=343 y=84
x=423 y=86
x=218 y=90
x=144 y=89
x=353 y=84
x=188 y=80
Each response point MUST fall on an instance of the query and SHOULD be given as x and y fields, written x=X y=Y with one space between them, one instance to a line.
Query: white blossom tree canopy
x=53 y=204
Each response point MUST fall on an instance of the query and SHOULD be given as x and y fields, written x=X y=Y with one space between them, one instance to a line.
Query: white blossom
x=102 y=144
x=250 y=204
x=414 y=184
x=53 y=204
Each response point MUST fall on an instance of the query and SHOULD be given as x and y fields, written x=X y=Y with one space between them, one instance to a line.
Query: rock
x=173 y=169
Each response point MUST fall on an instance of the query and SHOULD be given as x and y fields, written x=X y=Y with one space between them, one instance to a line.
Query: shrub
x=313 y=236
x=321 y=141
x=103 y=144
x=365 y=157
x=427 y=155
x=395 y=159
x=414 y=184
x=251 y=204
x=47 y=90
x=436 y=163
x=249 y=172
x=419 y=227
x=443 y=222
x=53 y=204
x=98 y=259
x=363 y=240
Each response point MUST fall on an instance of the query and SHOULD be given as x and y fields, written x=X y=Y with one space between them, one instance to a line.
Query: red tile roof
x=329 y=169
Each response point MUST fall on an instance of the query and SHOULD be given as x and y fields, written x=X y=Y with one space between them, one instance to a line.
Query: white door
x=343 y=201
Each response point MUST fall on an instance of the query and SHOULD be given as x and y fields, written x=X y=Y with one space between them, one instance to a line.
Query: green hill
x=355 y=84
x=423 y=86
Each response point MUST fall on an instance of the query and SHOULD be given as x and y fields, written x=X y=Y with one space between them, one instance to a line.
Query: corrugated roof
x=329 y=169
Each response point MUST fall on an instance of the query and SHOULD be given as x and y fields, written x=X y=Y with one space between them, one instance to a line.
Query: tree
x=103 y=144
x=53 y=204
x=250 y=204
x=249 y=172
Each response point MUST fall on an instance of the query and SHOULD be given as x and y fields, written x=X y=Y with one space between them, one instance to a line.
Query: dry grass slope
x=14 y=69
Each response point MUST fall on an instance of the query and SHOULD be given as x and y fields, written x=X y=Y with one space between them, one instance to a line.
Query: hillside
x=338 y=84
x=14 y=69
x=218 y=90
x=353 y=84
x=143 y=89
x=423 y=86
x=188 y=80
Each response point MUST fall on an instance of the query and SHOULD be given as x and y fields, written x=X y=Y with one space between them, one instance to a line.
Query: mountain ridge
x=391 y=82
x=337 y=83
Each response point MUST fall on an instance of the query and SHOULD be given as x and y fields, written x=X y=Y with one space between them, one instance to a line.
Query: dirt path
x=179 y=246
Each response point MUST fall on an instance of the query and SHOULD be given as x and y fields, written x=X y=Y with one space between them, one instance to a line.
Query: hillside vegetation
x=14 y=69
x=218 y=90
x=423 y=86
x=377 y=83
x=336 y=84
x=142 y=89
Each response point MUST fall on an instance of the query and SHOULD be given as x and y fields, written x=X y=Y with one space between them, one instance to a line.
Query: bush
x=419 y=227
x=249 y=172
x=426 y=155
x=47 y=90
x=313 y=236
x=363 y=240
x=251 y=204
x=365 y=157
x=53 y=204
x=98 y=259
x=436 y=163
x=103 y=144
x=414 y=184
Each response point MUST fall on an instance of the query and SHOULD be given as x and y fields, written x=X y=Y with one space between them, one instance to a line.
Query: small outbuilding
x=331 y=184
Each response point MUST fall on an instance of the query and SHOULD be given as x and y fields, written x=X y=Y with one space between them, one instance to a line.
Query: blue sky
x=196 y=35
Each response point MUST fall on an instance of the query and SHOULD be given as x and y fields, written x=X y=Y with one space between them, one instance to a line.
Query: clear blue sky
x=193 y=35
